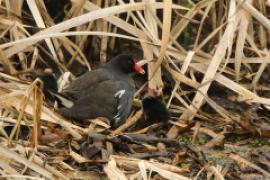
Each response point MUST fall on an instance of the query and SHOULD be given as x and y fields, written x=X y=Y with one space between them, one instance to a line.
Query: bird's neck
x=112 y=66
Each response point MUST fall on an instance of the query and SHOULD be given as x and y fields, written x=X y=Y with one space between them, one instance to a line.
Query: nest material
x=210 y=59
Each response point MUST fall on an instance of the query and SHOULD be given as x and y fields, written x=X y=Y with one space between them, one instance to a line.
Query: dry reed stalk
x=76 y=22
x=38 y=103
x=165 y=170
x=229 y=44
x=12 y=155
x=225 y=43
x=40 y=23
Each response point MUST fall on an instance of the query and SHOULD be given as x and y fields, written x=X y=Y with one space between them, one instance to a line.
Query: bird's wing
x=124 y=96
x=114 y=102
x=85 y=84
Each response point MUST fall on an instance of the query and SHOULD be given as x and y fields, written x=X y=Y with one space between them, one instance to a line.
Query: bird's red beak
x=138 y=68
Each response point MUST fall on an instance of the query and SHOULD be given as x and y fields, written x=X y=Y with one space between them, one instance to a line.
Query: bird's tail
x=50 y=89
x=62 y=100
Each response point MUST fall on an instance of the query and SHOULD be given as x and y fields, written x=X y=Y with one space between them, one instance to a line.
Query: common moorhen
x=155 y=109
x=104 y=92
x=49 y=83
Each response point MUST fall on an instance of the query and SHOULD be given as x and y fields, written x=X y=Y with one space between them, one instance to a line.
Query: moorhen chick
x=49 y=83
x=155 y=111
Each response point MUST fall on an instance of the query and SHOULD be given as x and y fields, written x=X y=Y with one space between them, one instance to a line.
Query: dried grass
x=230 y=47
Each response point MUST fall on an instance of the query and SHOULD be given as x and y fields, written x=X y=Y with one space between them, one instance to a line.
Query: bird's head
x=127 y=64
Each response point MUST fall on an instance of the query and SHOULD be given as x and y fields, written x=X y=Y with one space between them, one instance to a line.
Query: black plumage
x=49 y=82
x=104 y=92
x=155 y=111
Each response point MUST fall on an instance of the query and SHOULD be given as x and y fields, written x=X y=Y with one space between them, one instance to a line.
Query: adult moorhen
x=104 y=92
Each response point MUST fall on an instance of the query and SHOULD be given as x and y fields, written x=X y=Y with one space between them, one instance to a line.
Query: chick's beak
x=138 y=68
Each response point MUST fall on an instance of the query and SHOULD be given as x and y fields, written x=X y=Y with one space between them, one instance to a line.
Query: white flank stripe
x=120 y=93
x=119 y=107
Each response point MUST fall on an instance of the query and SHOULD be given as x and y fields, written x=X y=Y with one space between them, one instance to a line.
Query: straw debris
x=210 y=58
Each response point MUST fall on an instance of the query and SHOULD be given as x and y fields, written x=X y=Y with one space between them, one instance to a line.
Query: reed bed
x=210 y=58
